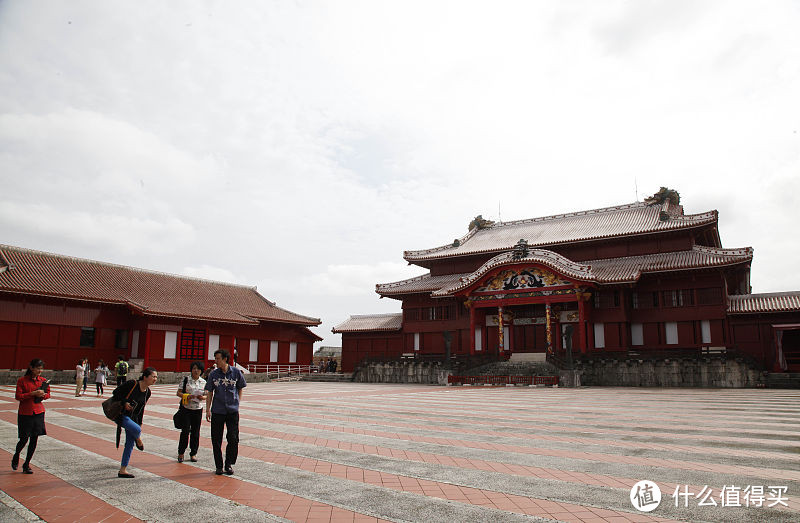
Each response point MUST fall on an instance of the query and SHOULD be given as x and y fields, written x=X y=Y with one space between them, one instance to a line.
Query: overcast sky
x=303 y=146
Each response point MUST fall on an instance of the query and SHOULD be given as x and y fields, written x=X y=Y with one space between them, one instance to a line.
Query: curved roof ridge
x=402 y=282
x=545 y=257
x=612 y=208
x=120 y=266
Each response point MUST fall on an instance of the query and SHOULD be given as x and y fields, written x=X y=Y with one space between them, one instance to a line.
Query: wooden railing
x=503 y=380
x=283 y=369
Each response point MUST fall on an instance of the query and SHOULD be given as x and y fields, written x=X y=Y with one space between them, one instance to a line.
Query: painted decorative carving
x=530 y=278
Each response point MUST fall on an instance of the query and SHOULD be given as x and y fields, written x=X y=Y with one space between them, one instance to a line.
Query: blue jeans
x=132 y=433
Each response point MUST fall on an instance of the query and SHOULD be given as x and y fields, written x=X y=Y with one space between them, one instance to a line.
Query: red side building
x=626 y=279
x=61 y=309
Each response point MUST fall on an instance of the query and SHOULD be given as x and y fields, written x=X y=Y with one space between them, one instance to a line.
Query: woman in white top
x=80 y=370
x=100 y=374
x=195 y=388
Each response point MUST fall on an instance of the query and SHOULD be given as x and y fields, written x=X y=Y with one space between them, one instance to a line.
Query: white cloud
x=303 y=148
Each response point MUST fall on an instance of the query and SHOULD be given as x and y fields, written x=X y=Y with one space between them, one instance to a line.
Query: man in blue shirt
x=224 y=386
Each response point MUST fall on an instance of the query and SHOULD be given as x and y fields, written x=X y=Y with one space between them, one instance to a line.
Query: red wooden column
x=501 y=341
x=146 y=348
x=471 y=327
x=582 y=324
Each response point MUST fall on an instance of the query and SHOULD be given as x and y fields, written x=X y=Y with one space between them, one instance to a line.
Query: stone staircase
x=514 y=368
x=328 y=376
x=783 y=380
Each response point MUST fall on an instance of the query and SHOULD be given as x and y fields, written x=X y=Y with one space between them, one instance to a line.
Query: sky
x=301 y=147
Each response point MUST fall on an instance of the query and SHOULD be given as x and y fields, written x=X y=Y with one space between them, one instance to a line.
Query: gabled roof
x=370 y=322
x=25 y=271
x=767 y=302
x=606 y=271
x=608 y=222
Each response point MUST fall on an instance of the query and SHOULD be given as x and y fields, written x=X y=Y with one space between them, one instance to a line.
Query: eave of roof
x=772 y=302
x=370 y=323
x=611 y=270
x=633 y=219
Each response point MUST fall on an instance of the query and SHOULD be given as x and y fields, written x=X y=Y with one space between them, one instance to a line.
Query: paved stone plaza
x=361 y=452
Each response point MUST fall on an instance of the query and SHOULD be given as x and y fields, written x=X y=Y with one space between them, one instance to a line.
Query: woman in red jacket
x=32 y=389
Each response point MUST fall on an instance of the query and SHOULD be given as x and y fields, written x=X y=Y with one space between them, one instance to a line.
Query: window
x=709 y=296
x=606 y=299
x=213 y=345
x=293 y=352
x=170 y=344
x=678 y=298
x=135 y=345
x=599 y=335
x=412 y=314
x=121 y=339
x=635 y=300
x=193 y=344
x=253 y=350
x=671 y=329
x=87 y=337
x=416 y=341
x=436 y=313
x=273 y=351
x=705 y=330
x=637 y=334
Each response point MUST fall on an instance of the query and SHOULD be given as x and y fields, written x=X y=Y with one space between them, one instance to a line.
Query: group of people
x=328 y=365
x=101 y=374
x=221 y=393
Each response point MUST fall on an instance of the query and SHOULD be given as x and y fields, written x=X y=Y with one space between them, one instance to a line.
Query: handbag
x=179 y=418
x=113 y=409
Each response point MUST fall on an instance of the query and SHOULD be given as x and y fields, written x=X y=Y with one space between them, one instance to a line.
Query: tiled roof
x=767 y=302
x=606 y=271
x=608 y=222
x=629 y=269
x=152 y=293
x=370 y=322
x=424 y=283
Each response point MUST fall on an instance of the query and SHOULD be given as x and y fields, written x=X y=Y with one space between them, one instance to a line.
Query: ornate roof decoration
x=479 y=223
x=764 y=303
x=661 y=214
x=148 y=292
x=604 y=272
x=544 y=257
x=370 y=323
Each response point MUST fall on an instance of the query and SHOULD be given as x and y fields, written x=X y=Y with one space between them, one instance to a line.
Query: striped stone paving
x=362 y=452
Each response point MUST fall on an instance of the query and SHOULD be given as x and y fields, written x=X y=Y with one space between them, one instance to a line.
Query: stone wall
x=402 y=372
x=715 y=373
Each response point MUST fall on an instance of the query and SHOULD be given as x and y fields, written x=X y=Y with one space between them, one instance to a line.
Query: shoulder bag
x=113 y=409
x=179 y=418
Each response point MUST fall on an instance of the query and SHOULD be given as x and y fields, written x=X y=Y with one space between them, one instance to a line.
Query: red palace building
x=625 y=280
x=61 y=309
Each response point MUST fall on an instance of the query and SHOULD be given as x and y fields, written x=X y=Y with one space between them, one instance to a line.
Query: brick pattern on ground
x=361 y=452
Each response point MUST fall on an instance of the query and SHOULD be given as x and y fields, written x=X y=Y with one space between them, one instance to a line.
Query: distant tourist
x=100 y=376
x=121 y=370
x=190 y=433
x=225 y=384
x=135 y=395
x=86 y=369
x=32 y=389
x=80 y=371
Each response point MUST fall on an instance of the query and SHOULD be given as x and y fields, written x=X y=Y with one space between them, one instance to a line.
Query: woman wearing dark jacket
x=32 y=389
x=135 y=395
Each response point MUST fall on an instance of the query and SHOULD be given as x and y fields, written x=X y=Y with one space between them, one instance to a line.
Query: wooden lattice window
x=193 y=344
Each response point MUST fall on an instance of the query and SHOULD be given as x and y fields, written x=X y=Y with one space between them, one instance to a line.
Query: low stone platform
x=368 y=452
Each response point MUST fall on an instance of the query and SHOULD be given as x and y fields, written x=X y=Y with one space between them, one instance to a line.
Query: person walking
x=121 y=370
x=86 y=371
x=225 y=384
x=134 y=394
x=100 y=376
x=32 y=389
x=80 y=369
x=194 y=387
